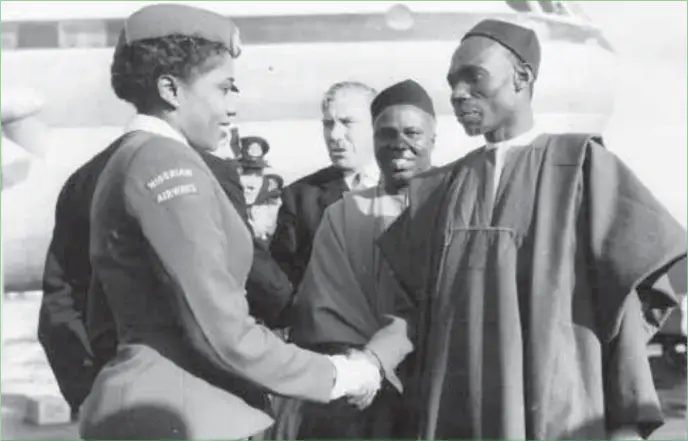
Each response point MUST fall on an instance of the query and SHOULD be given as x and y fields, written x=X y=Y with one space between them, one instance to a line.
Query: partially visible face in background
x=252 y=182
x=348 y=130
x=227 y=142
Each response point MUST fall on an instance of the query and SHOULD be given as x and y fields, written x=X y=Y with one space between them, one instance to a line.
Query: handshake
x=359 y=373
x=358 y=377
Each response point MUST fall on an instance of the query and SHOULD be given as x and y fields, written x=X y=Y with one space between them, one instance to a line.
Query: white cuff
x=340 y=387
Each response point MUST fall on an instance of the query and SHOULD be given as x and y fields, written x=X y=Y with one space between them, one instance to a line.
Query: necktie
x=357 y=181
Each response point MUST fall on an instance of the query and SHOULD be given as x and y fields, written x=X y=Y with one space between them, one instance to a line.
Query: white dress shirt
x=502 y=147
x=367 y=178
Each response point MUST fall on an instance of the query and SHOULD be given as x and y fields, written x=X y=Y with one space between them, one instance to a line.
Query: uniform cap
x=162 y=20
x=407 y=92
x=522 y=42
x=253 y=151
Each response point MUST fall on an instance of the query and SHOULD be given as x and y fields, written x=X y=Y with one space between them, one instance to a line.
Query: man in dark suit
x=348 y=132
x=74 y=357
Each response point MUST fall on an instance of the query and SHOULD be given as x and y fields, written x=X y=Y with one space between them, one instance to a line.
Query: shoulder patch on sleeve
x=164 y=171
x=179 y=190
x=167 y=175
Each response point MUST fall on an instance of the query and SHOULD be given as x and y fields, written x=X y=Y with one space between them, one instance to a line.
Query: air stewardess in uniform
x=191 y=362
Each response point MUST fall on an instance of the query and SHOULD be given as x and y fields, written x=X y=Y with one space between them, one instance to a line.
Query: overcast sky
x=644 y=29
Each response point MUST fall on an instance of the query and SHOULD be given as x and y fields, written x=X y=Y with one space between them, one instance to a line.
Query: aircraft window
x=113 y=29
x=33 y=35
x=83 y=33
x=519 y=6
x=9 y=36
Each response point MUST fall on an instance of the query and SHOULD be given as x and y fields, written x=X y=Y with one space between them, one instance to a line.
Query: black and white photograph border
x=617 y=68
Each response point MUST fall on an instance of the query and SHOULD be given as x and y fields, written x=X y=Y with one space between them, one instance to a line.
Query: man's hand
x=357 y=377
x=392 y=340
x=390 y=346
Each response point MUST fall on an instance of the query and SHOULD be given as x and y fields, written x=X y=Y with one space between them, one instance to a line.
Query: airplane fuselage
x=287 y=63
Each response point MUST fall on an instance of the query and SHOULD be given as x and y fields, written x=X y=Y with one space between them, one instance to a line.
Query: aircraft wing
x=24 y=136
x=16 y=163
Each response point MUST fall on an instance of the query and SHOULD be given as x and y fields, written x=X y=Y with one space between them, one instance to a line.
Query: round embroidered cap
x=522 y=42
x=406 y=92
x=166 y=19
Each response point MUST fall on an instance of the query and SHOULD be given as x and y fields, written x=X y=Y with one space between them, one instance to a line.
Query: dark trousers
x=341 y=420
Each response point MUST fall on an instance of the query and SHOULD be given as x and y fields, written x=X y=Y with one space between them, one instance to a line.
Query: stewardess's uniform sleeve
x=185 y=229
x=269 y=291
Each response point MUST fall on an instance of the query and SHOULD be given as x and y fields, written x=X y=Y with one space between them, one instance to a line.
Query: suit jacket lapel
x=331 y=190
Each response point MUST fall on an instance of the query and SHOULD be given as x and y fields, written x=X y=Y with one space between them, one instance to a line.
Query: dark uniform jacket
x=303 y=205
x=62 y=331
x=171 y=255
